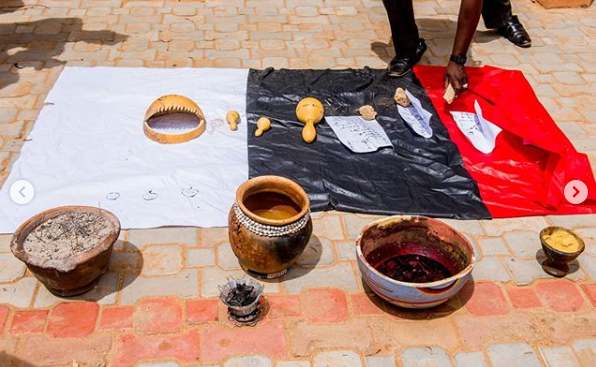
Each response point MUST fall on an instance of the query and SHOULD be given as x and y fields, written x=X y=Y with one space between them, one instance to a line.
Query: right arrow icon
x=576 y=192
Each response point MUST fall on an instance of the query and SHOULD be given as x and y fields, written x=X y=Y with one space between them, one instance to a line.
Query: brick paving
x=157 y=306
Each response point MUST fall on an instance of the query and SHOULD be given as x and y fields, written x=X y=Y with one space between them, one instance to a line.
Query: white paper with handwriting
x=359 y=135
x=416 y=116
x=479 y=131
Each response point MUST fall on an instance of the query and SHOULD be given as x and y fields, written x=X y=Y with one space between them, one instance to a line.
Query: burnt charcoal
x=242 y=295
x=413 y=269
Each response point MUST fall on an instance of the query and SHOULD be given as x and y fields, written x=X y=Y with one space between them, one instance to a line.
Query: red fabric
x=516 y=179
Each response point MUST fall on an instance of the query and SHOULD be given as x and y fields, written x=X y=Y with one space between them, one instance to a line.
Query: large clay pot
x=73 y=275
x=269 y=225
x=405 y=235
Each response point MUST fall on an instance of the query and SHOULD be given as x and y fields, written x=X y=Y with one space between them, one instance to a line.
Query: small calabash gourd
x=233 y=117
x=310 y=112
x=263 y=124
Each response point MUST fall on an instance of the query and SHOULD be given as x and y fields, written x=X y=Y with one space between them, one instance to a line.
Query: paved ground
x=157 y=306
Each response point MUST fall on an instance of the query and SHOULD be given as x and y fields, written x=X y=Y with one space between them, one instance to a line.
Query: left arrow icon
x=22 y=192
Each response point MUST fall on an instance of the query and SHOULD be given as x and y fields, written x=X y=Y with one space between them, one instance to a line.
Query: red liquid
x=413 y=269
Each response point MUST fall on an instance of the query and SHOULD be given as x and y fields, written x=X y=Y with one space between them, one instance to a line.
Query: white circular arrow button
x=22 y=192
x=576 y=192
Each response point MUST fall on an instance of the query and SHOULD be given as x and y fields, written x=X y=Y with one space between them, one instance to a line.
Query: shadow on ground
x=439 y=35
x=443 y=310
x=573 y=265
x=132 y=265
x=107 y=286
x=37 y=44
x=308 y=260
x=7 y=360
x=10 y=6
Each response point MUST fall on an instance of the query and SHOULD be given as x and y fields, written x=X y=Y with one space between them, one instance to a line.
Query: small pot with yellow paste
x=560 y=246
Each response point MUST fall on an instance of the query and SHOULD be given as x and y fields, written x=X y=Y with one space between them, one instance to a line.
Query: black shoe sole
x=523 y=45
x=417 y=58
x=398 y=75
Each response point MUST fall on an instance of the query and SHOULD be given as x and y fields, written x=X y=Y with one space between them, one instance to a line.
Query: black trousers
x=404 y=30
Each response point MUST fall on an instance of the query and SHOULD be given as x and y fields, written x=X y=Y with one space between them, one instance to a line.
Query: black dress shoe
x=399 y=67
x=515 y=32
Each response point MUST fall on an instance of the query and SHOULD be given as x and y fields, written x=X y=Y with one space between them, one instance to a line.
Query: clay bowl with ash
x=67 y=248
x=414 y=262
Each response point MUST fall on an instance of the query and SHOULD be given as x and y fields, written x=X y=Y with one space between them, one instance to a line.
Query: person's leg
x=409 y=47
x=404 y=31
x=497 y=14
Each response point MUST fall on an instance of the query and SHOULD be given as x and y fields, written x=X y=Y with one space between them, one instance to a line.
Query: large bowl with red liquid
x=414 y=262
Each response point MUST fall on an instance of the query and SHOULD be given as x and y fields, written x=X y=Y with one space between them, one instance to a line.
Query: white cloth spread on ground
x=88 y=148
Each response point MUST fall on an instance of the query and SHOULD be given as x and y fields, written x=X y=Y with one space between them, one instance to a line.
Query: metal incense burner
x=242 y=297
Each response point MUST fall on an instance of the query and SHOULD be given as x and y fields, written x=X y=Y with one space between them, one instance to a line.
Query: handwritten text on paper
x=359 y=135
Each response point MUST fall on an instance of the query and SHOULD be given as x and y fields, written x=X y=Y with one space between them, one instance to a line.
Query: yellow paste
x=562 y=241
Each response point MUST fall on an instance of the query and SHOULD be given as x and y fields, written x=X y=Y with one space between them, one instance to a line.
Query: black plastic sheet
x=416 y=176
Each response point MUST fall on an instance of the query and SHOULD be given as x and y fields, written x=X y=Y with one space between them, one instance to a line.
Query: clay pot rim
x=571 y=255
x=401 y=218
x=275 y=181
x=70 y=263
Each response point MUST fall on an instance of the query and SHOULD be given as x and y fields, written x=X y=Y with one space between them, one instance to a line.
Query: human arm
x=469 y=16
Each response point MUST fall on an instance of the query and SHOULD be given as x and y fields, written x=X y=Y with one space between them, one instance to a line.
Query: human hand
x=455 y=75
